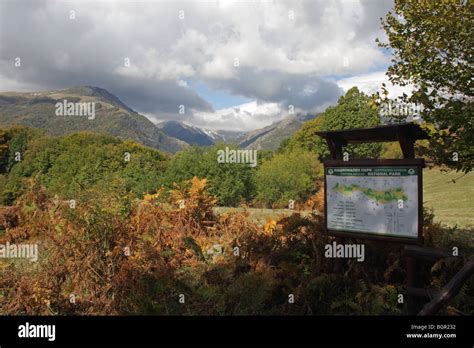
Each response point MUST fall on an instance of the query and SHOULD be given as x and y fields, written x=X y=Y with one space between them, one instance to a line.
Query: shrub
x=223 y=265
x=287 y=176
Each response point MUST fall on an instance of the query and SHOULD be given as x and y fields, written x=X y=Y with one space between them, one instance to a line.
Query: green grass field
x=453 y=202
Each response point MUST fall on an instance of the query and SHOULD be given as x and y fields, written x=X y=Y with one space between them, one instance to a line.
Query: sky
x=231 y=65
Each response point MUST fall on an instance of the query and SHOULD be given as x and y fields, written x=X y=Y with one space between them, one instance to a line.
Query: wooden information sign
x=378 y=199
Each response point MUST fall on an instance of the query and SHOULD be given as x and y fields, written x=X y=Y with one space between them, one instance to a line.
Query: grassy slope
x=453 y=202
x=272 y=136
x=112 y=116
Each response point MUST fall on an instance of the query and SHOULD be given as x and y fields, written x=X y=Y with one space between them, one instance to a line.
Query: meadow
x=451 y=195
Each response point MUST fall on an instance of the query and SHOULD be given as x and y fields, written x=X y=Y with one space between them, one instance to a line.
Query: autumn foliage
x=114 y=254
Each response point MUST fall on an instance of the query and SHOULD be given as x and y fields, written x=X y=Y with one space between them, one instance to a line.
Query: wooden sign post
x=376 y=199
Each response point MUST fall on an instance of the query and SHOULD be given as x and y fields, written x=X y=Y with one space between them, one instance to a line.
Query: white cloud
x=372 y=82
x=244 y=117
x=288 y=51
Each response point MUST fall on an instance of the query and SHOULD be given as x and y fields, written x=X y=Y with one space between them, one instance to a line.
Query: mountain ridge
x=271 y=136
x=37 y=109
x=187 y=133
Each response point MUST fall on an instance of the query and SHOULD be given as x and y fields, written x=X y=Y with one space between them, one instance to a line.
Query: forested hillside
x=111 y=117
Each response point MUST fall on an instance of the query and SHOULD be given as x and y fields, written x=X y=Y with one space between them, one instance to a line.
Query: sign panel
x=377 y=200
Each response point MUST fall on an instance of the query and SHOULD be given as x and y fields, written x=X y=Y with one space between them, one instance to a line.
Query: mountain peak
x=37 y=109
x=189 y=134
x=98 y=92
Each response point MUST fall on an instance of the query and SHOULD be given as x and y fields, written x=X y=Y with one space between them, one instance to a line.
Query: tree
x=18 y=138
x=353 y=110
x=3 y=150
x=286 y=176
x=307 y=139
x=392 y=150
x=432 y=50
x=230 y=182
x=71 y=164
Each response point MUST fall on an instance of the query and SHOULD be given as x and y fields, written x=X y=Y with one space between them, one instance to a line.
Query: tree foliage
x=291 y=175
x=3 y=150
x=68 y=165
x=230 y=182
x=353 y=110
x=432 y=49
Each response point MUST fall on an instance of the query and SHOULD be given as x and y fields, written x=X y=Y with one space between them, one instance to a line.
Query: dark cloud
x=283 y=60
x=303 y=91
x=57 y=52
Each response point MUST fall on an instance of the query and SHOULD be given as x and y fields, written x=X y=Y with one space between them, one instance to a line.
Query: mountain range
x=112 y=116
x=197 y=136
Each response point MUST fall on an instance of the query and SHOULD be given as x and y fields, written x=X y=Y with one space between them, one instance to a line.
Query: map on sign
x=373 y=200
